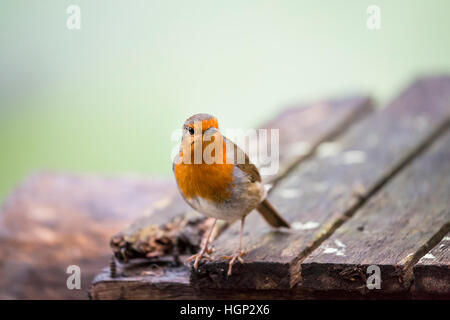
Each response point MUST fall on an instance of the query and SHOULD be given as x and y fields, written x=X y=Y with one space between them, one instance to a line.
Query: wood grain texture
x=172 y=284
x=170 y=227
x=323 y=192
x=54 y=220
x=144 y=280
x=304 y=127
x=393 y=230
x=432 y=272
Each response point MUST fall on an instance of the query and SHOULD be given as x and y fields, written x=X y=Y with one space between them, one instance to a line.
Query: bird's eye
x=191 y=131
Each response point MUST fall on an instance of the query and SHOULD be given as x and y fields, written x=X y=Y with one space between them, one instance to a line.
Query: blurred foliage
x=107 y=97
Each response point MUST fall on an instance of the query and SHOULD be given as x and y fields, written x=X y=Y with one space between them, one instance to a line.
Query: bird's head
x=199 y=131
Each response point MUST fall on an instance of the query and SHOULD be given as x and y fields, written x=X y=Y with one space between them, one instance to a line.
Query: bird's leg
x=205 y=251
x=239 y=252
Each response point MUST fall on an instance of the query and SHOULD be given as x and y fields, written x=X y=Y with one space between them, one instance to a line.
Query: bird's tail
x=271 y=215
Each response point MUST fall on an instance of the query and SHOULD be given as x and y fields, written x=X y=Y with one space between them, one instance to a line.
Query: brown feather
x=247 y=167
x=271 y=215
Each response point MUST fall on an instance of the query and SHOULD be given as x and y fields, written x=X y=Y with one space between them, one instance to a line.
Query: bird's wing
x=242 y=161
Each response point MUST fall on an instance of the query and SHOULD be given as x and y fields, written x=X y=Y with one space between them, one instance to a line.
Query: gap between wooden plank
x=268 y=273
x=328 y=270
x=432 y=271
x=415 y=258
x=362 y=199
x=365 y=107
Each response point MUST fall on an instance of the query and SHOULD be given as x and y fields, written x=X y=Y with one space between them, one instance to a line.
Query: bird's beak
x=210 y=133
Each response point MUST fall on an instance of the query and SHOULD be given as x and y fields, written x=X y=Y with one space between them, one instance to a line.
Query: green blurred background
x=106 y=98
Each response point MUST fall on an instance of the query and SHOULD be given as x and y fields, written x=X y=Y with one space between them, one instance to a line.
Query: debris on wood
x=181 y=235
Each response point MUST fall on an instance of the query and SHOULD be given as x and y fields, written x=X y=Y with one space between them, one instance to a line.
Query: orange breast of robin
x=208 y=181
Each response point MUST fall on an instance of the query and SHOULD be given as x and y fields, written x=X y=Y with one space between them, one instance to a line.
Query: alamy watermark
x=374 y=17
x=73 y=21
x=199 y=146
x=374 y=277
x=74 y=280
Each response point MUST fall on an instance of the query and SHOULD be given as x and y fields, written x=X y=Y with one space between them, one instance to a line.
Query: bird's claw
x=203 y=254
x=209 y=250
x=236 y=256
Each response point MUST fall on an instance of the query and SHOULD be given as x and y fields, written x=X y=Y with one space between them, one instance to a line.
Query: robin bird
x=216 y=178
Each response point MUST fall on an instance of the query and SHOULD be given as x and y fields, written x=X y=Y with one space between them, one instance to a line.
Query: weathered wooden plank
x=432 y=272
x=144 y=280
x=393 y=230
x=323 y=192
x=158 y=281
x=170 y=227
x=302 y=128
x=174 y=228
x=55 y=220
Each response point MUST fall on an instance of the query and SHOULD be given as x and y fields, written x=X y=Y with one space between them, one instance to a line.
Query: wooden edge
x=348 y=277
x=432 y=271
x=160 y=281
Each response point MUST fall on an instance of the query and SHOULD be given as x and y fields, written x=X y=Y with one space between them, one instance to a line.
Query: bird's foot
x=203 y=254
x=236 y=256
